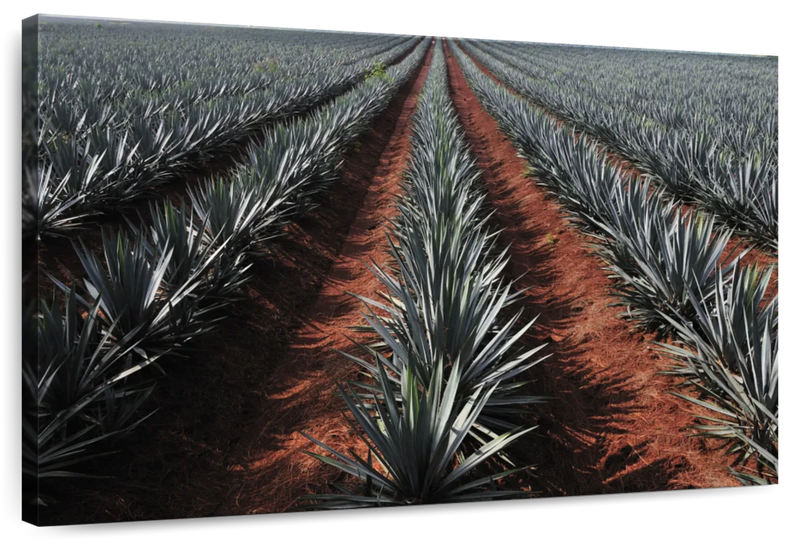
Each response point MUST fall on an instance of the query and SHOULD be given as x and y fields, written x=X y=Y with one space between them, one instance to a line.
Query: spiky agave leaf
x=79 y=391
x=131 y=293
x=414 y=441
x=682 y=265
x=730 y=354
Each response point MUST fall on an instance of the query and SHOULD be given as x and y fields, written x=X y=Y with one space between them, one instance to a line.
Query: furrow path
x=302 y=395
x=612 y=425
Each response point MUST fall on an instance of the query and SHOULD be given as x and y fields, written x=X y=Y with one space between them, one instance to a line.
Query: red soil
x=225 y=440
x=275 y=470
x=612 y=425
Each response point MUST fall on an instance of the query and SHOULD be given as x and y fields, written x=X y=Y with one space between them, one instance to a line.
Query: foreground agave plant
x=80 y=391
x=636 y=218
x=177 y=228
x=236 y=219
x=731 y=355
x=75 y=355
x=458 y=322
x=414 y=441
x=130 y=291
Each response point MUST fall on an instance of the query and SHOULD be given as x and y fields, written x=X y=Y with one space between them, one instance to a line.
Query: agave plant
x=79 y=390
x=75 y=357
x=72 y=157
x=636 y=218
x=740 y=299
x=237 y=217
x=126 y=176
x=178 y=229
x=681 y=265
x=57 y=209
x=84 y=430
x=745 y=193
x=692 y=156
x=30 y=202
x=419 y=328
x=414 y=441
x=131 y=293
x=731 y=355
x=584 y=184
x=30 y=394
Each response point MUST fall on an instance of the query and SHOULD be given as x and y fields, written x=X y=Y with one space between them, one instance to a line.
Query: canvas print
x=270 y=270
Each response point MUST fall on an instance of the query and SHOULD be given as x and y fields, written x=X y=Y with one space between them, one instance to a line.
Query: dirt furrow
x=302 y=395
x=612 y=425
x=226 y=439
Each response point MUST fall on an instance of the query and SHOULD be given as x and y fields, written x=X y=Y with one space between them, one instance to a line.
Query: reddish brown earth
x=226 y=438
x=737 y=244
x=612 y=425
x=304 y=396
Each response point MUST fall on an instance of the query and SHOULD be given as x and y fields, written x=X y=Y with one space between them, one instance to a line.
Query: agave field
x=273 y=270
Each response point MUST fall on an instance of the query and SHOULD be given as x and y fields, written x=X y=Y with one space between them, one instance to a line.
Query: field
x=274 y=270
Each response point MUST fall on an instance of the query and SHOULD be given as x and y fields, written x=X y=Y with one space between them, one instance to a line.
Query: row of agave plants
x=695 y=166
x=731 y=98
x=670 y=275
x=187 y=61
x=96 y=156
x=443 y=367
x=160 y=284
x=74 y=98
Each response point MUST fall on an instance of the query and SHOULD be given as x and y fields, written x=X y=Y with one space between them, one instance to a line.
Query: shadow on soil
x=573 y=447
